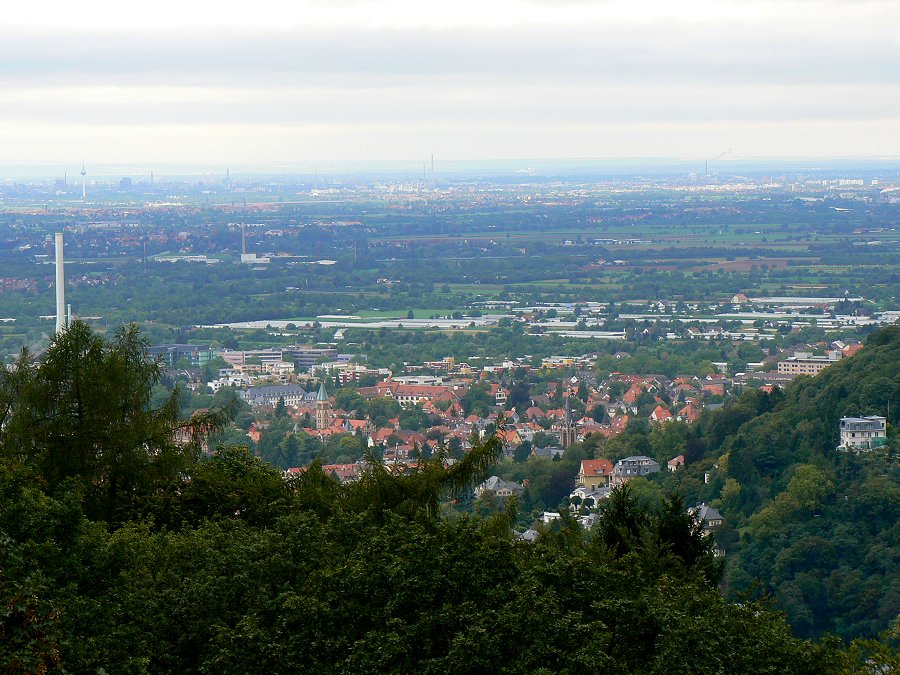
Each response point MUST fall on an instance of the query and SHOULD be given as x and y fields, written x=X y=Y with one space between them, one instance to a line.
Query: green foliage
x=83 y=412
x=280 y=409
x=233 y=484
x=381 y=409
x=414 y=418
x=805 y=493
x=662 y=533
x=817 y=527
x=812 y=524
x=477 y=400
x=365 y=580
x=226 y=567
x=283 y=448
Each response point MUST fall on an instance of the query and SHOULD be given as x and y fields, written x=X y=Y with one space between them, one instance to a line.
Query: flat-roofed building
x=196 y=356
x=863 y=433
x=291 y=394
x=302 y=357
x=804 y=364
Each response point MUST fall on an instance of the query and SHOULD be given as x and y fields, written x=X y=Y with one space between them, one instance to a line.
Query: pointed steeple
x=567 y=428
x=323 y=408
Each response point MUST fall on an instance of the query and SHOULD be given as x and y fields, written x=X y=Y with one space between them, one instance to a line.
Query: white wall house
x=863 y=433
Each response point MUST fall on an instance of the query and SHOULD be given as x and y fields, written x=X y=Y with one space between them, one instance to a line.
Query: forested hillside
x=818 y=527
x=821 y=528
x=125 y=551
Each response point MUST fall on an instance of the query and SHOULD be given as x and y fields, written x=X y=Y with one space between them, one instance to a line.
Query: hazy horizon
x=526 y=168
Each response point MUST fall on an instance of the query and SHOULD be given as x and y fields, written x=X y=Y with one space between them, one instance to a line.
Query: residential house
x=675 y=463
x=594 y=473
x=548 y=452
x=710 y=520
x=632 y=467
x=690 y=413
x=530 y=535
x=499 y=487
x=863 y=433
x=661 y=415
x=499 y=393
x=587 y=498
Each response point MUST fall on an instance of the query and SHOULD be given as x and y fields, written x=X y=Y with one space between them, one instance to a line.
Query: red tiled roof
x=660 y=414
x=596 y=467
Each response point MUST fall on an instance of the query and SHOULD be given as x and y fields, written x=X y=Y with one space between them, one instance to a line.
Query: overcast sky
x=268 y=82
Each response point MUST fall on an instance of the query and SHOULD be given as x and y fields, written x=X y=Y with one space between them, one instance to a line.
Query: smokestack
x=60 y=285
x=243 y=239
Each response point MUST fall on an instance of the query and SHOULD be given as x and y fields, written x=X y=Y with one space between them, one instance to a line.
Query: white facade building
x=863 y=433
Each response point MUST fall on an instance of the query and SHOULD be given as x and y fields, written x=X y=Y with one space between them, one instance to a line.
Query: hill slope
x=819 y=528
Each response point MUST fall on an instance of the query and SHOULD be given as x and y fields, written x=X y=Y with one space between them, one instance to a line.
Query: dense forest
x=124 y=548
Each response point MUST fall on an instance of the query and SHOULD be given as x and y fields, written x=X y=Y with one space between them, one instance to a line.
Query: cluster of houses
x=246 y=369
x=705 y=516
x=594 y=483
x=547 y=420
x=606 y=409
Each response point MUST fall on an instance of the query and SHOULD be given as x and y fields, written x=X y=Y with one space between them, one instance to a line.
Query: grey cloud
x=655 y=54
x=471 y=106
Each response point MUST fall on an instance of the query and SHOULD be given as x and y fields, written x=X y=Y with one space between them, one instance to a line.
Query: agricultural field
x=456 y=250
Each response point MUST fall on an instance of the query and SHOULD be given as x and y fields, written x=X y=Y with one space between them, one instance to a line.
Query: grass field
x=747 y=264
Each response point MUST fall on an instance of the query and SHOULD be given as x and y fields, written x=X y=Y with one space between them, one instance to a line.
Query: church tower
x=323 y=408
x=567 y=428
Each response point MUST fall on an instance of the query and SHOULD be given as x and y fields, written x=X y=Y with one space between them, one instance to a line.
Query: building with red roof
x=594 y=473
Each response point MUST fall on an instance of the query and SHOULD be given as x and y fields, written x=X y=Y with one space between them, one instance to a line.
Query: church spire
x=567 y=428
x=323 y=408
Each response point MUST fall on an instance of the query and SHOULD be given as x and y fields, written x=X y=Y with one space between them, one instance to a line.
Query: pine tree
x=81 y=411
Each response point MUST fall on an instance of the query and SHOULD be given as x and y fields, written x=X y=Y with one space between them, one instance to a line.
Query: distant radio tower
x=83 y=182
x=432 y=172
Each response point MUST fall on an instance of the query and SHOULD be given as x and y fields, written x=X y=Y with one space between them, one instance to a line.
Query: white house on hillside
x=862 y=433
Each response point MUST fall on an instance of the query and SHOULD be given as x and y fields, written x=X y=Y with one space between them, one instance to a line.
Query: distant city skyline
x=219 y=84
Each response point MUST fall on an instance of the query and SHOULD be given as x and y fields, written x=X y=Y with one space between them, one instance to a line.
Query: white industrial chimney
x=60 y=285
